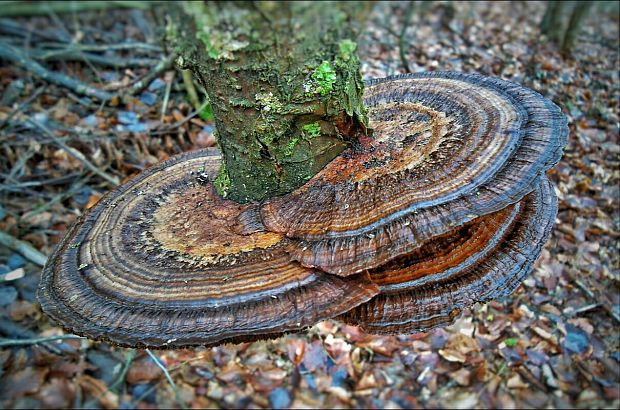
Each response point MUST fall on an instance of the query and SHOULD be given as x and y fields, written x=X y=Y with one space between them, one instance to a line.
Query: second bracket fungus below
x=480 y=261
x=446 y=204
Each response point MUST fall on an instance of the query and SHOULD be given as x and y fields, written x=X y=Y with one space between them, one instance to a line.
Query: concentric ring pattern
x=444 y=205
x=483 y=260
x=156 y=263
x=447 y=148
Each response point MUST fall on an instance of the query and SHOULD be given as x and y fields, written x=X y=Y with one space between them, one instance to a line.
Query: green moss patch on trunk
x=284 y=84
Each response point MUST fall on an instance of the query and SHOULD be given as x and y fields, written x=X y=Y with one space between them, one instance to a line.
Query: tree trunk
x=580 y=12
x=551 y=24
x=284 y=85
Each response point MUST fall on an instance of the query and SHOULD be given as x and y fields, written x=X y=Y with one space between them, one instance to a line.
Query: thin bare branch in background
x=402 y=43
x=16 y=55
x=23 y=248
x=36 y=340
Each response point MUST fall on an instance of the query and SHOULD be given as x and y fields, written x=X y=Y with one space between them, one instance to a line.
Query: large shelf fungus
x=446 y=204
x=479 y=261
x=447 y=148
x=155 y=263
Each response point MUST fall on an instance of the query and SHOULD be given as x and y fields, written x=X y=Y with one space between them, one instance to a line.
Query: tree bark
x=580 y=12
x=284 y=84
x=551 y=24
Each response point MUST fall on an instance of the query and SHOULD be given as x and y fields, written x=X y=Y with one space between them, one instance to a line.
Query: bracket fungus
x=155 y=263
x=446 y=204
x=447 y=148
x=479 y=261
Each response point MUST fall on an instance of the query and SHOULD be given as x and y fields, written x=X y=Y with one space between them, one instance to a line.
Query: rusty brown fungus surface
x=445 y=204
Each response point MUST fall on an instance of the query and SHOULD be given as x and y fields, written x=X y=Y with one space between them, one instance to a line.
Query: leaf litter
x=553 y=343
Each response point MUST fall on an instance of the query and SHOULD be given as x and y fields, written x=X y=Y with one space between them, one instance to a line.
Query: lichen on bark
x=284 y=84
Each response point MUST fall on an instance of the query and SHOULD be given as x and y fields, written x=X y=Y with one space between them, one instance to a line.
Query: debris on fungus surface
x=445 y=205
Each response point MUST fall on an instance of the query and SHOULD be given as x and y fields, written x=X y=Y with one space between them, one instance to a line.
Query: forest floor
x=554 y=343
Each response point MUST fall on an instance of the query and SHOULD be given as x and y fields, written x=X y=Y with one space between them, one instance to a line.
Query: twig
x=389 y=30
x=131 y=354
x=23 y=105
x=77 y=54
x=23 y=248
x=105 y=48
x=16 y=55
x=583 y=309
x=64 y=33
x=584 y=288
x=36 y=340
x=43 y=8
x=8 y=26
x=162 y=66
x=76 y=154
x=17 y=185
x=21 y=163
x=170 y=381
x=172 y=127
x=191 y=90
x=401 y=38
x=174 y=369
x=164 y=105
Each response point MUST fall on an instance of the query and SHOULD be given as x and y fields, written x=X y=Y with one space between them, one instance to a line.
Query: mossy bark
x=284 y=84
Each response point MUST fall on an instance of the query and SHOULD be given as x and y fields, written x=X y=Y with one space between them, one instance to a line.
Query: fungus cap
x=156 y=263
x=447 y=149
x=482 y=260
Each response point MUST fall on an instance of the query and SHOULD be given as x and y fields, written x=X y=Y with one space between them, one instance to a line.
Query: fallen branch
x=79 y=55
x=36 y=340
x=134 y=46
x=44 y=8
x=16 y=55
x=141 y=84
x=23 y=248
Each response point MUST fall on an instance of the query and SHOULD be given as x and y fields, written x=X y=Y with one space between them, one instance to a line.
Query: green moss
x=325 y=77
x=290 y=147
x=241 y=102
x=276 y=90
x=347 y=48
x=222 y=182
x=312 y=130
x=207 y=113
x=268 y=102
x=511 y=342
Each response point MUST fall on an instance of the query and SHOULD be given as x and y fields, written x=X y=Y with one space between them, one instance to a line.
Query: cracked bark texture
x=284 y=84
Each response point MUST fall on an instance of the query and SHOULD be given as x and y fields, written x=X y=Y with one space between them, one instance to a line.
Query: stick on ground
x=23 y=248
x=35 y=340
x=17 y=56
x=76 y=154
